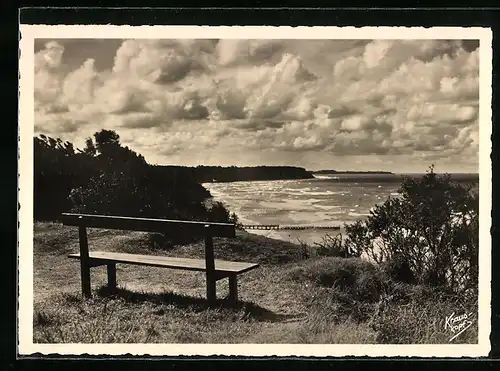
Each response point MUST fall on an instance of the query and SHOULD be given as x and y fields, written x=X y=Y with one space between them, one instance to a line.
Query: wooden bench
x=215 y=269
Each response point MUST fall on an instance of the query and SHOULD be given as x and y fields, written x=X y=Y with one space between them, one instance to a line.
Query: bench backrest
x=149 y=225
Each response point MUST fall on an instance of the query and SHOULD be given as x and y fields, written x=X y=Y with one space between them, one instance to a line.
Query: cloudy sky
x=396 y=105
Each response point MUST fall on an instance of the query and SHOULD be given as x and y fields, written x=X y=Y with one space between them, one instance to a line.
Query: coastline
x=259 y=180
x=309 y=237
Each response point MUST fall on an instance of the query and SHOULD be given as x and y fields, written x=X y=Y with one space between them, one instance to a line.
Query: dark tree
x=106 y=138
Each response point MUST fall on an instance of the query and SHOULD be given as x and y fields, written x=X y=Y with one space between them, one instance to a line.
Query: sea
x=325 y=201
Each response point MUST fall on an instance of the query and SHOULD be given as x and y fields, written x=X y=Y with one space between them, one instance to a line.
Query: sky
x=393 y=105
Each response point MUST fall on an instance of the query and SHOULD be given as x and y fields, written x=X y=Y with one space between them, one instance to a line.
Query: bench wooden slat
x=149 y=225
x=221 y=266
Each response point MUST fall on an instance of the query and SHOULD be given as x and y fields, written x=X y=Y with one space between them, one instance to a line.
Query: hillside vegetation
x=107 y=178
x=204 y=174
x=394 y=278
x=294 y=297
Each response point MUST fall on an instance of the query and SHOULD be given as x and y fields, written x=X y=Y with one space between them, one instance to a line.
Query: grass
x=292 y=298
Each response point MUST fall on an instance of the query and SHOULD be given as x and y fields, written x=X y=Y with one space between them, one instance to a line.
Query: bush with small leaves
x=428 y=235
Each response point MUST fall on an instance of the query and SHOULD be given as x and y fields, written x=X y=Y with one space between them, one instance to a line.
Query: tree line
x=205 y=174
x=108 y=178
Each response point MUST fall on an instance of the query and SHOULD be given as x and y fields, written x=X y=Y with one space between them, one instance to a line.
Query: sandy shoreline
x=308 y=236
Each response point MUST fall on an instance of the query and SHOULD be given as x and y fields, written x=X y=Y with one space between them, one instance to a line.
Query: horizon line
x=315 y=170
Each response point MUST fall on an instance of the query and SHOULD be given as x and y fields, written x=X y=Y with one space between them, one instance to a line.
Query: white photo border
x=25 y=196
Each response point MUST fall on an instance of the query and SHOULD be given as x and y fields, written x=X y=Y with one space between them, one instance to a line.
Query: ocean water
x=330 y=200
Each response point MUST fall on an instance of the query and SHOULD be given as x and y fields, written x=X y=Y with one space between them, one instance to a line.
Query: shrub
x=399 y=270
x=328 y=246
x=331 y=246
x=358 y=278
x=218 y=213
x=233 y=218
x=304 y=249
x=429 y=235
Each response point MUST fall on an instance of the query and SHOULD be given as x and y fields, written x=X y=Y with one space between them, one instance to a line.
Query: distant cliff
x=205 y=174
x=350 y=172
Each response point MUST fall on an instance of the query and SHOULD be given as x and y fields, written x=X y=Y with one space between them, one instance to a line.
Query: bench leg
x=211 y=289
x=210 y=267
x=233 y=288
x=84 y=261
x=85 y=273
x=112 y=278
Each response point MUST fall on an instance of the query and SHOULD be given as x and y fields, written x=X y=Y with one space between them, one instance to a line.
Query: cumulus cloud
x=231 y=104
x=162 y=61
x=251 y=52
x=79 y=86
x=336 y=98
x=47 y=77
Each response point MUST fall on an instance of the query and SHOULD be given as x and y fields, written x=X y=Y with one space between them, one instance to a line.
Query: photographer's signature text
x=458 y=324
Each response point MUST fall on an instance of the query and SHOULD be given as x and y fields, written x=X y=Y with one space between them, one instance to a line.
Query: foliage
x=331 y=246
x=304 y=249
x=58 y=169
x=108 y=178
x=429 y=235
x=234 y=173
x=208 y=174
x=328 y=246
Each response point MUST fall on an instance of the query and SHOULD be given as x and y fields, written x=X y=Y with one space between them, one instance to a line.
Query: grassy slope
x=289 y=299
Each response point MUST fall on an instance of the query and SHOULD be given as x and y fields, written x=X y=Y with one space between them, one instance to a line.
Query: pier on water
x=288 y=227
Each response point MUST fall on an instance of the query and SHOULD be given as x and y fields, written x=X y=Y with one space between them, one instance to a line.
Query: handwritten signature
x=458 y=324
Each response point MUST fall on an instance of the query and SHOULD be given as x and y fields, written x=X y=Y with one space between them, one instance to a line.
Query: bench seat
x=221 y=266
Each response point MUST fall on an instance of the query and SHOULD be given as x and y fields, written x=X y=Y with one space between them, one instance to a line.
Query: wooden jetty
x=288 y=227
x=261 y=226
